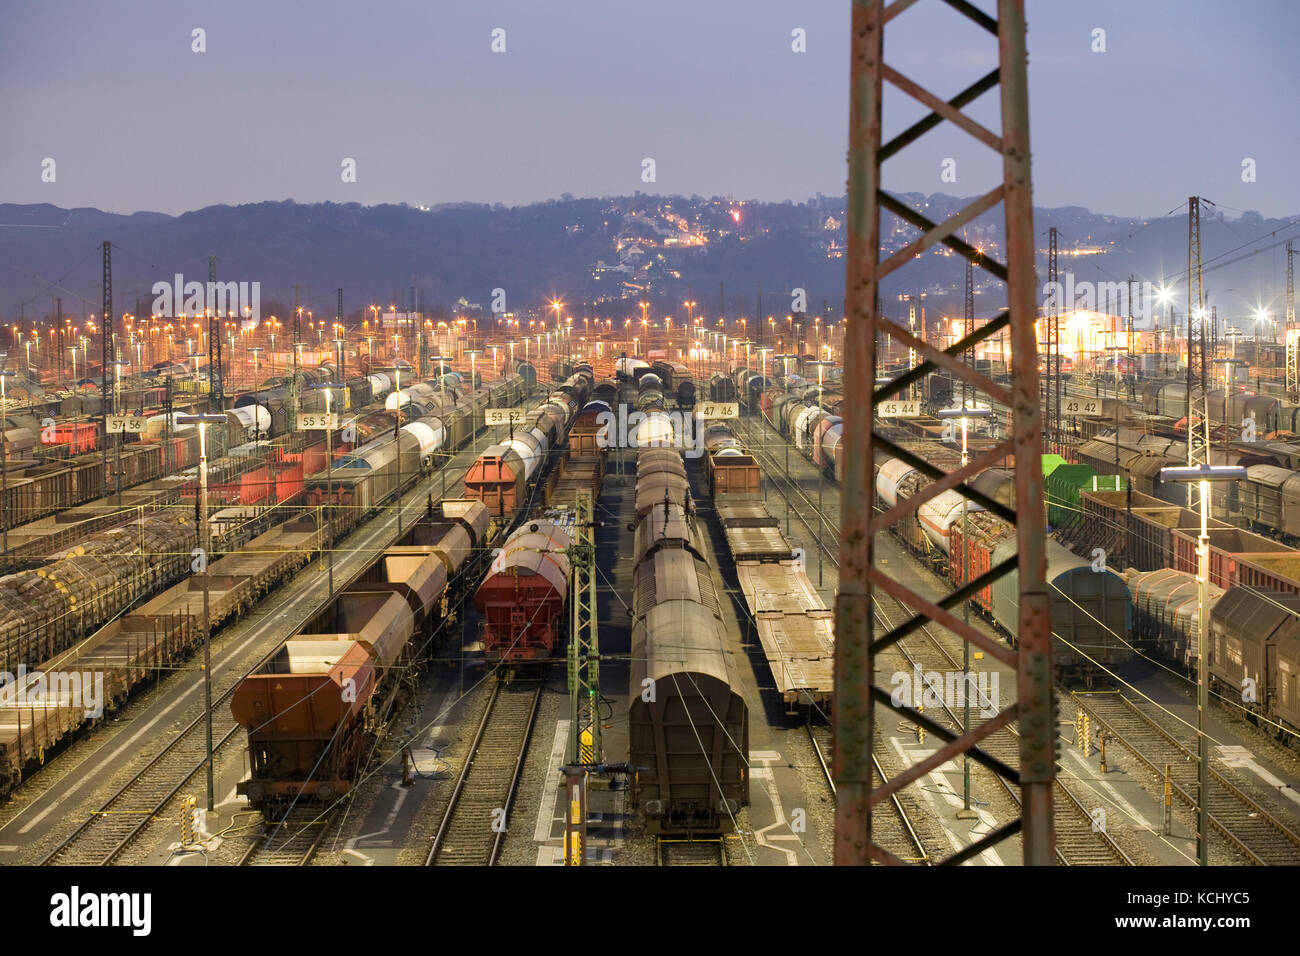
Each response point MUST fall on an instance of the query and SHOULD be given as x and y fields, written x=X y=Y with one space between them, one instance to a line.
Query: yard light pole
x=1115 y=350
x=205 y=549
x=473 y=357
x=821 y=474
x=785 y=376
x=328 y=389
x=397 y=440
x=4 y=462
x=964 y=415
x=1203 y=475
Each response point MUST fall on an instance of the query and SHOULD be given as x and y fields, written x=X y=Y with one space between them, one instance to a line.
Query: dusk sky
x=712 y=91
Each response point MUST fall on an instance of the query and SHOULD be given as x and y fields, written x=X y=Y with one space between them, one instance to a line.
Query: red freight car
x=984 y=531
x=1227 y=546
x=522 y=599
x=72 y=437
x=1273 y=572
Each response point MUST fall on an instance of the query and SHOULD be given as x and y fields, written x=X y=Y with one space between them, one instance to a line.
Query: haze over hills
x=599 y=254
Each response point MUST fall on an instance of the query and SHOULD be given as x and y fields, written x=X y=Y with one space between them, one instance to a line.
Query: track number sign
x=718 y=409
x=125 y=424
x=899 y=408
x=1081 y=407
x=503 y=416
x=317 y=421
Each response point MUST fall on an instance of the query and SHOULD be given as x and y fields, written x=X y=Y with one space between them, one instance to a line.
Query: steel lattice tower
x=968 y=319
x=1198 y=390
x=1291 y=339
x=584 y=642
x=216 y=385
x=106 y=328
x=1054 y=340
x=858 y=637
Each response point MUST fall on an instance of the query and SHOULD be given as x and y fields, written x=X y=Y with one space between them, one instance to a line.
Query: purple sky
x=585 y=90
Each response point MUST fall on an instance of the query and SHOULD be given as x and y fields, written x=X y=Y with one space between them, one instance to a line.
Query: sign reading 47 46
x=718 y=409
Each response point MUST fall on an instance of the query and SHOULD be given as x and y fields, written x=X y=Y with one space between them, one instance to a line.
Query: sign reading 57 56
x=125 y=424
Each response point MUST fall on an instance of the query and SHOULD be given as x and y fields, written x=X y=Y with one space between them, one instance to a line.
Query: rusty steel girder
x=857 y=641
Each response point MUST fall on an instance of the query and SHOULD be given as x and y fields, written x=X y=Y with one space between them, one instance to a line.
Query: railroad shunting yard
x=950 y=520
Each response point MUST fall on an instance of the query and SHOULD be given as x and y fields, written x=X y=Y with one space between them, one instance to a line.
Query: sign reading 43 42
x=1081 y=407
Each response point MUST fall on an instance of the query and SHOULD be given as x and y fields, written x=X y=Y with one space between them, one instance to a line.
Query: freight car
x=102 y=577
x=501 y=475
x=307 y=741
x=368 y=476
x=792 y=622
x=722 y=388
x=524 y=596
x=1254 y=639
x=1091 y=606
x=688 y=725
x=676 y=381
x=630 y=369
x=649 y=393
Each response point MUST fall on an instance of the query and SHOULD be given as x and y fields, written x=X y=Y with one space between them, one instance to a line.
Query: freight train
x=1233 y=408
x=102 y=580
x=502 y=475
x=314 y=711
x=1091 y=609
x=1254 y=639
x=688 y=724
x=368 y=477
x=1267 y=499
x=792 y=622
x=523 y=600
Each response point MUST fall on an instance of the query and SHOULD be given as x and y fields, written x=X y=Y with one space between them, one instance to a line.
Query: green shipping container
x=1065 y=485
x=1051 y=463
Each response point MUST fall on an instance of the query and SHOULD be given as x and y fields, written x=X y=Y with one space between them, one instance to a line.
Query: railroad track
x=897 y=833
x=1247 y=828
x=105 y=834
x=292 y=842
x=1076 y=833
x=474 y=824
x=683 y=851
x=109 y=831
